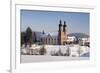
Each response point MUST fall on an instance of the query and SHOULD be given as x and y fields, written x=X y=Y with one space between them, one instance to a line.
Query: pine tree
x=28 y=36
x=22 y=38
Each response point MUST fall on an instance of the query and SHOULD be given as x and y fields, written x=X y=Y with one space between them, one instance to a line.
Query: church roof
x=43 y=35
x=54 y=33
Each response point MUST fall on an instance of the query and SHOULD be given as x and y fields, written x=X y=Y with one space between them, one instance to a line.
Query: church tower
x=62 y=34
x=64 y=27
x=65 y=32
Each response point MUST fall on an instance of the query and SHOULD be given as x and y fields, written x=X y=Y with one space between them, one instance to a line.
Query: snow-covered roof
x=71 y=37
x=40 y=35
x=52 y=34
x=44 y=35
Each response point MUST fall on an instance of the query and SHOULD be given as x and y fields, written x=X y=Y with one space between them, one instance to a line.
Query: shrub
x=68 y=52
x=42 y=51
x=58 y=53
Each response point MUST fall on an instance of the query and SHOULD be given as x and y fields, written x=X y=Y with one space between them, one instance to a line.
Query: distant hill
x=79 y=35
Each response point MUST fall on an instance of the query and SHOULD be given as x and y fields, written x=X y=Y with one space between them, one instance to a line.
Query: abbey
x=62 y=37
x=56 y=38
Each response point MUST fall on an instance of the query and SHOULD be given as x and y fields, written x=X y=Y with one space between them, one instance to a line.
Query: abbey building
x=61 y=37
x=56 y=38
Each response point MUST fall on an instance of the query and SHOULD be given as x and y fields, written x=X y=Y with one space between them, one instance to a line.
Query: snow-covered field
x=73 y=50
x=54 y=53
x=40 y=58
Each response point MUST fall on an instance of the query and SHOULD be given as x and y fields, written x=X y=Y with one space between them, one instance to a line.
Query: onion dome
x=60 y=23
x=65 y=24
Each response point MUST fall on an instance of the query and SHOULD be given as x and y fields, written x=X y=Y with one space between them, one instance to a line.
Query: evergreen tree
x=22 y=38
x=28 y=35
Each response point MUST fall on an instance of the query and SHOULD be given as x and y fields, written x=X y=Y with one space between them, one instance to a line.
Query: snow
x=76 y=52
x=40 y=58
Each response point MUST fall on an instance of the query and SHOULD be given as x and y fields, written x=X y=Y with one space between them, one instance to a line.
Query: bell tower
x=65 y=33
x=62 y=34
x=64 y=27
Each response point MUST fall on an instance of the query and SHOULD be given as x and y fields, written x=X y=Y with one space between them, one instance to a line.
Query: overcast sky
x=49 y=21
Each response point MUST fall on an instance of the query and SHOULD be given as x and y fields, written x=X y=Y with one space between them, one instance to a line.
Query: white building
x=84 y=41
x=71 y=39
